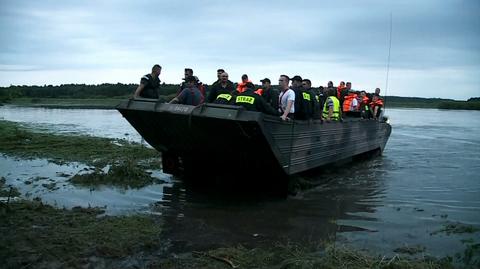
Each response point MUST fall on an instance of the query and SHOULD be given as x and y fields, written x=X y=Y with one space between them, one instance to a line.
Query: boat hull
x=216 y=139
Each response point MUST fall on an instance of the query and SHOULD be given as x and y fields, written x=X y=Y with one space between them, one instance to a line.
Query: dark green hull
x=214 y=138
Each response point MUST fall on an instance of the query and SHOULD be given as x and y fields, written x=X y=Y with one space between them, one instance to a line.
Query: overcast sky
x=435 y=44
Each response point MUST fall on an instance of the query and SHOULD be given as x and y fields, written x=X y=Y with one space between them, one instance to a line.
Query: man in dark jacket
x=253 y=102
x=269 y=94
x=149 y=84
x=224 y=86
x=314 y=100
x=303 y=100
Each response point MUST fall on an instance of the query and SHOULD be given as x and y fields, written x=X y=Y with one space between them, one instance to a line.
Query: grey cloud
x=427 y=35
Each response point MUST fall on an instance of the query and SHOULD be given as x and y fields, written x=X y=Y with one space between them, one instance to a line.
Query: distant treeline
x=76 y=91
x=418 y=102
x=167 y=92
x=470 y=104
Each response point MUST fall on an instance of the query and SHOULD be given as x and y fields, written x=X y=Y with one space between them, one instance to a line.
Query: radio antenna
x=388 y=60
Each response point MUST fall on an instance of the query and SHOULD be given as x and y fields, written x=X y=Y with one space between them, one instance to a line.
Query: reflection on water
x=427 y=178
x=94 y=122
x=39 y=178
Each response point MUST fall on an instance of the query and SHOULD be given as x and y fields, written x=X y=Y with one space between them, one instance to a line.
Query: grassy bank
x=35 y=235
x=97 y=103
x=127 y=162
x=25 y=143
x=43 y=237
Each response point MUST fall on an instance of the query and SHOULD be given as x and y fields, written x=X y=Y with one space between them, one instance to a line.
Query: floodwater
x=427 y=178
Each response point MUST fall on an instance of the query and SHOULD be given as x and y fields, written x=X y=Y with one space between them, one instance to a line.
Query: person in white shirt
x=286 y=99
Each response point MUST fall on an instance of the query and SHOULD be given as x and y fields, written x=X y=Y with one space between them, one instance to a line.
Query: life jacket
x=364 y=103
x=259 y=91
x=242 y=86
x=336 y=108
x=347 y=102
x=379 y=103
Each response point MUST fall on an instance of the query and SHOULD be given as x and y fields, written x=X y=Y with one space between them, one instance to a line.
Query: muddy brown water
x=427 y=178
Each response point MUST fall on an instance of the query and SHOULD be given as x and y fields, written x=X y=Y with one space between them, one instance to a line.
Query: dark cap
x=266 y=80
x=250 y=85
x=296 y=78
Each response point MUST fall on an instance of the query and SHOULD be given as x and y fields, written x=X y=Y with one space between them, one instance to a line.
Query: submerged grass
x=128 y=173
x=22 y=142
x=7 y=191
x=296 y=256
x=35 y=235
x=127 y=161
x=456 y=228
x=38 y=236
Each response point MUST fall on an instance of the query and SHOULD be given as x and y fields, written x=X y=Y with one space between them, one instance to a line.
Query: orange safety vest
x=259 y=91
x=242 y=86
x=348 y=102
x=364 y=103
x=379 y=102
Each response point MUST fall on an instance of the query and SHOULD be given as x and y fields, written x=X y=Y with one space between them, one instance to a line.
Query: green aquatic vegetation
x=22 y=142
x=298 y=256
x=7 y=191
x=471 y=254
x=126 y=174
x=36 y=235
x=456 y=228
x=411 y=250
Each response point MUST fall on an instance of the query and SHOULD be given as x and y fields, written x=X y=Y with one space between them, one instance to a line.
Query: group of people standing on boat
x=294 y=99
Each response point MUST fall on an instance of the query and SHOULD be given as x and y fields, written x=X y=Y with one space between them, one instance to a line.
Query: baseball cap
x=296 y=78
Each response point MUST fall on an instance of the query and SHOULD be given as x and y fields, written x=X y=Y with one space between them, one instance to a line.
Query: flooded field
x=422 y=197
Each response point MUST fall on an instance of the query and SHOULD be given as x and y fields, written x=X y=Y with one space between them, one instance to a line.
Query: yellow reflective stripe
x=306 y=96
x=225 y=96
x=245 y=99
x=336 y=108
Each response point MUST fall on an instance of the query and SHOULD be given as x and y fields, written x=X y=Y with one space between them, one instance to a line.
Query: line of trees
x=470 y=104
x=77 y=91
x=167 y=92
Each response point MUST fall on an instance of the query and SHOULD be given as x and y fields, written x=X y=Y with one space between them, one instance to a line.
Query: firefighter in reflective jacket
x=331 y=109
x=252 y=101
x=224 y=99
x=376 y=106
